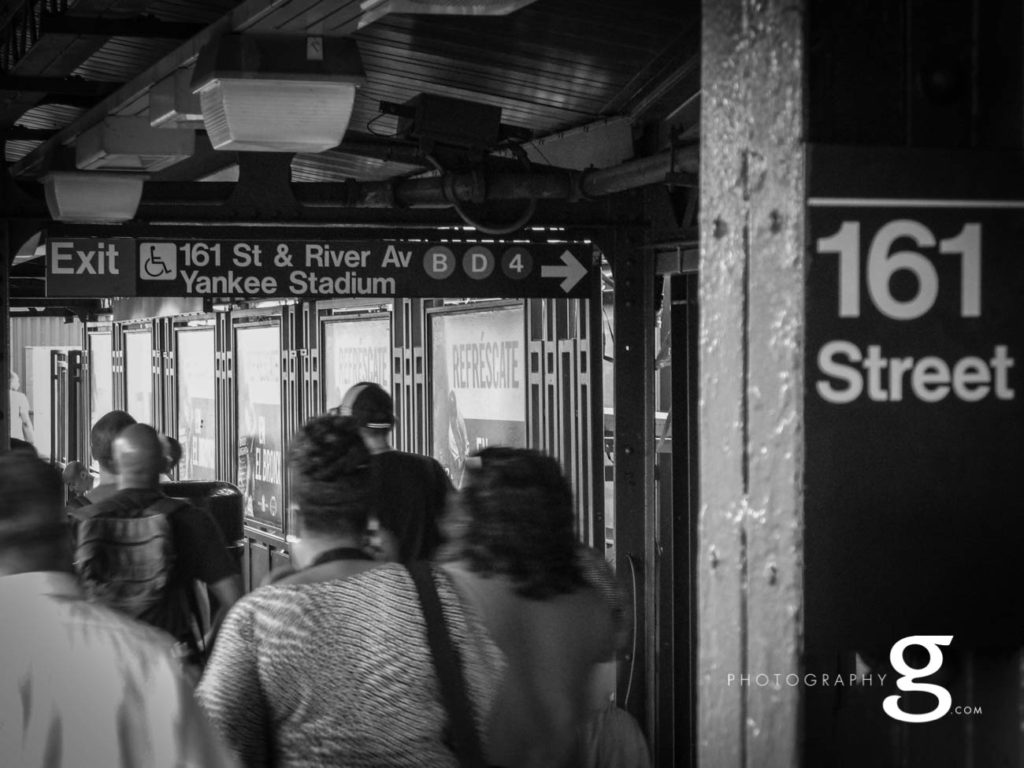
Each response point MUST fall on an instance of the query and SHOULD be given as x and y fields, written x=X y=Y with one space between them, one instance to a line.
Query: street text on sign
x=909 y=249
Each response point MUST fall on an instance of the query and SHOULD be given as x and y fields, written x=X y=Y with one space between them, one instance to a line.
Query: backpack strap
x=165 y=506
x=449 y=670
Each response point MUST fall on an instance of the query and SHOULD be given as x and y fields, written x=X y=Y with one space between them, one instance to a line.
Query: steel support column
x=635 y=332
x=7 y=249
x=751 y=449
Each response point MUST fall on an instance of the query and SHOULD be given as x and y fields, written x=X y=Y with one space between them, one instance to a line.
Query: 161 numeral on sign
x=883 y=262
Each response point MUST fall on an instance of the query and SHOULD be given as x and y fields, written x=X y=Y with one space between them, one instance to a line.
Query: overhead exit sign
x=304 y=269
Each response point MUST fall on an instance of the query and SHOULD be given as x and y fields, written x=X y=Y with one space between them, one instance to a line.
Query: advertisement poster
x=138 y=367
x=196 y=386
x=258 y=391
x=478 y=364
x=354 y=351
x=101 y=376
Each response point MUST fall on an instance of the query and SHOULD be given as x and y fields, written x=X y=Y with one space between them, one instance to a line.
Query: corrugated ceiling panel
x=185 y=11
x=336 y=166
x=314 y=15
x=15 y=150
x=49 y=116
x=550 y=66
x=121 y=58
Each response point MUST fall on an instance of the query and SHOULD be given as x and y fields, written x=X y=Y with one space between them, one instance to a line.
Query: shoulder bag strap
x=449 y=670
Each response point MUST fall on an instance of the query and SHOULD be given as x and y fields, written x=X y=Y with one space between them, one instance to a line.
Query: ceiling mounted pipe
x=445 y=191
x=642 y=172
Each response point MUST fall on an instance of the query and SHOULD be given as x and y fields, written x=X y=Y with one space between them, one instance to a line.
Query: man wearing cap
x=80 y=684
x=411 y=489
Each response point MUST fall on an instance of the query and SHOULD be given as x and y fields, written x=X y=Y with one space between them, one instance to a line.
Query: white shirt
x=85 y=687
x=19 y=413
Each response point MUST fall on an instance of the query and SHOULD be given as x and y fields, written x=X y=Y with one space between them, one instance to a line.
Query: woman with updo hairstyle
x=339 y=671
x=329 y=468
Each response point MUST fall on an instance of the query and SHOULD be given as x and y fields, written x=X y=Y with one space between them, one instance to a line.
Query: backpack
x=126 y=562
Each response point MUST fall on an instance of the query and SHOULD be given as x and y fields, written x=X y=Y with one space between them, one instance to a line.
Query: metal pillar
x=751 y=453
x=7 y=249
x=634 y=465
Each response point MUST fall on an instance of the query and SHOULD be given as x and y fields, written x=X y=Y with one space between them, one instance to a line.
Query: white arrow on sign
x=573 y=271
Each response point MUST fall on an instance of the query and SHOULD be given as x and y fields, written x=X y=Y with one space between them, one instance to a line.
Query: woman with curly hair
x=340 y=672
x=331 y=485
x=514 y=558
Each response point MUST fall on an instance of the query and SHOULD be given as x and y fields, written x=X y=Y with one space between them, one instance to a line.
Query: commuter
x=410 y=490
x=342 y=670
x=168 y=540
x=172 y=456
x=77 y=478
x=21 y=416
x=331 y=486
x=101 y=441
x=80 y=684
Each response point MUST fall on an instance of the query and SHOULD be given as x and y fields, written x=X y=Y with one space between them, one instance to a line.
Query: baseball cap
x=369 y=406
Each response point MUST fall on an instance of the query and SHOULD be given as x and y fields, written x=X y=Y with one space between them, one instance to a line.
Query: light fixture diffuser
x=274 y=94
x=93 y=198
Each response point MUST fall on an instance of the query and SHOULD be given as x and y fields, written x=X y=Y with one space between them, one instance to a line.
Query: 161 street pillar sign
x=914 y=425
x=314 y=269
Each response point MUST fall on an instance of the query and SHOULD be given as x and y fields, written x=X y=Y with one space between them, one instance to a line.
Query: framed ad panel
x=195 y=398
x=258 y=422
x=354 y=348
x=138 y=372
x=478 y=375
x=100 y=363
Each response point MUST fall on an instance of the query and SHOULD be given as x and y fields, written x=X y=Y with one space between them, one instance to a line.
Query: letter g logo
x=908 y=681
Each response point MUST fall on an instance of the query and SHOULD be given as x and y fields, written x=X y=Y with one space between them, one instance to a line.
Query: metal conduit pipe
x=640 y=173
x=452 y=188
x=564 y=185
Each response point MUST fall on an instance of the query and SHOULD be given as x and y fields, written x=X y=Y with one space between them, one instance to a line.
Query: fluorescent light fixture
x=172 y=103
x=94 y=198
x=131 y=144
x=374 y=9
x=277 y=94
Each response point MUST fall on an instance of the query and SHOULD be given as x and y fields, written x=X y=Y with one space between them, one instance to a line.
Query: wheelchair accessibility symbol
x=158 y=261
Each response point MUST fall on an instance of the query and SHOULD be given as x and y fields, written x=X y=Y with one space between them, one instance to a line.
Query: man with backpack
x=141 y=552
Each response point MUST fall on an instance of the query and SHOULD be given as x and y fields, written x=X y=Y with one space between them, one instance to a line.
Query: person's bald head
x=138 y=456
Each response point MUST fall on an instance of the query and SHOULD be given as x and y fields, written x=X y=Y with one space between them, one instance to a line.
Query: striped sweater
x=339 y=673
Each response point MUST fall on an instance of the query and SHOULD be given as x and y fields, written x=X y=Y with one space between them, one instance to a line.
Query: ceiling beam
x=142 y=26
x=67 y=86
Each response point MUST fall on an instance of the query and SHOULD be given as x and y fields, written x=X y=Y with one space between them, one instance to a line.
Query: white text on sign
x=68 y=260
x=850 y=372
